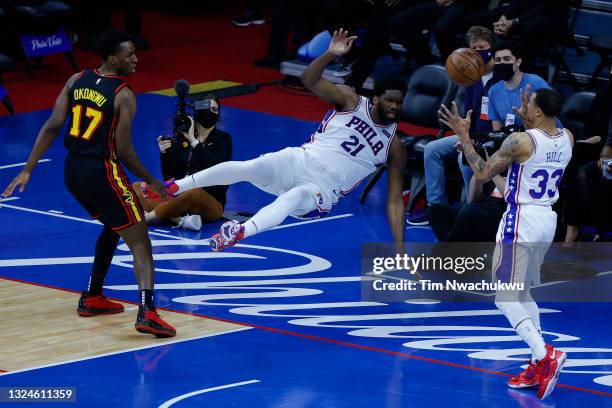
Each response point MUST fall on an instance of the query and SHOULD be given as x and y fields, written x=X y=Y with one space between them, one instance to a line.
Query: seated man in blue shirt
x=480 y=39
x=505 y=96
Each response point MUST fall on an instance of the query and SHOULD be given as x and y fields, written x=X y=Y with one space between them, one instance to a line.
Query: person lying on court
x=353 y=138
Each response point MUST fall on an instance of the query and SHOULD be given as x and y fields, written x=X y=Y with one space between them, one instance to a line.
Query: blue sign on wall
x=37 y=45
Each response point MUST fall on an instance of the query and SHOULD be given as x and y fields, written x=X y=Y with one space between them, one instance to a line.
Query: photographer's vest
x=92 y=125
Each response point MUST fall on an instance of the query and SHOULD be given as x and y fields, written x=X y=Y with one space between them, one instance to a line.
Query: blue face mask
x=486 y=55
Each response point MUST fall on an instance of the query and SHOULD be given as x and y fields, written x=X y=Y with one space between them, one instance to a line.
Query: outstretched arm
x=46 y=136
x=516 y=147
x=395 y=203
x=340 y=95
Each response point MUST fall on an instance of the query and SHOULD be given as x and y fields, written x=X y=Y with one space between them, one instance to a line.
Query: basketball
x=464 y=66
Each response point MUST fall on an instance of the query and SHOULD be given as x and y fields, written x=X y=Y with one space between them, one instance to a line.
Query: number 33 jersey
x=351 y=144
x=91 y=130
x=536 y=181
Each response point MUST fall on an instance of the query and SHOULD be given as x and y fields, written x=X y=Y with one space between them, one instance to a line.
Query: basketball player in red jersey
x=101 y=108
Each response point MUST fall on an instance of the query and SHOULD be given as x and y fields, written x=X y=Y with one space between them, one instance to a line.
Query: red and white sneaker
x=149 y=194
x=549 y=369
x=230 y=233
x=526 y=379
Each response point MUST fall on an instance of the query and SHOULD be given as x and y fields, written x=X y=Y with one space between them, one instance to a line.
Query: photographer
x=201 y=147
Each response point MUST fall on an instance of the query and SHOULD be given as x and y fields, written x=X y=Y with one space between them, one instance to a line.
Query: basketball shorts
x=102 y=188
x=293 y=167
x=524 y=235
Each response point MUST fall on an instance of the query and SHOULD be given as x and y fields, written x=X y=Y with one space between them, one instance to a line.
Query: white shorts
x=293 y=167
x=524 y=235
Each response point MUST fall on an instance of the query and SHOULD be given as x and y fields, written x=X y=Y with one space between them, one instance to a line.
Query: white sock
x=520 y=319
x=150 y=216
x=250 y=228
x=528 y=332
x=534 y=314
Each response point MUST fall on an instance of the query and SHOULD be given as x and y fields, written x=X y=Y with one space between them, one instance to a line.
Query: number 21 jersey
x=351 y=143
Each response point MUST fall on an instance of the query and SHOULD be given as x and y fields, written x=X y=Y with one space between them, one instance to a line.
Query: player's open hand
x=522 y=111
x=159 y=188
x=20 y=180
x=341 y=43
x=451 y=118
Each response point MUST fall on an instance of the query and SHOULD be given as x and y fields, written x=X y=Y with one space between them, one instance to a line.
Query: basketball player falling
x=101 y=108
x=351 y=141
x=536 y=160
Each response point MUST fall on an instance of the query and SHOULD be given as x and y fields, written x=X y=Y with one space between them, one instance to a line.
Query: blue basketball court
x=304 y=337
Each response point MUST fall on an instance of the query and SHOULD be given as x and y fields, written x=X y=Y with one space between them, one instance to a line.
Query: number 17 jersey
x=91 y=130
x=351 y=144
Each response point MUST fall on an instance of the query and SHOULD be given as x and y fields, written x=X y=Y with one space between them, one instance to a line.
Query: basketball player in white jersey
x=351 y=141
x=536 y=160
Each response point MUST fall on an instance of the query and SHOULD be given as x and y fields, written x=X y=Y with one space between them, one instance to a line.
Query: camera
x=491 y=141
x=181 y=122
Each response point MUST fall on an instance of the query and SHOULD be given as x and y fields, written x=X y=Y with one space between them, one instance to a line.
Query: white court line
x=56 y=212
x=129 y=350
x=295 y=224
x=6 y=166
x=191 y=394
x=68 y=217
x=2 y=199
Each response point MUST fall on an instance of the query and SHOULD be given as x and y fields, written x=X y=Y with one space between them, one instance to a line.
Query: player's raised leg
x=259 y=171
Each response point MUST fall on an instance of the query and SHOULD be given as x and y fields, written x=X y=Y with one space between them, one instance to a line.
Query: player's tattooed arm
x=342 y=96
x=516 y=147
x=484 y=171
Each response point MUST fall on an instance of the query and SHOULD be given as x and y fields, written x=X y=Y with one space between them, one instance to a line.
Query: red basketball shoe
x=230 y=233
x=526 y=379
x=149 y=194
x=97 y=305
x=148 y=321
x=549 y=369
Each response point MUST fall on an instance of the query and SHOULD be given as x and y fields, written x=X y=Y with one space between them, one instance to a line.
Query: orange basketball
x=464 y=66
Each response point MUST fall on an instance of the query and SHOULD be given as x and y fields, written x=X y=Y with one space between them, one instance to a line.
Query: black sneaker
x=418 y=218
x=249 y=19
